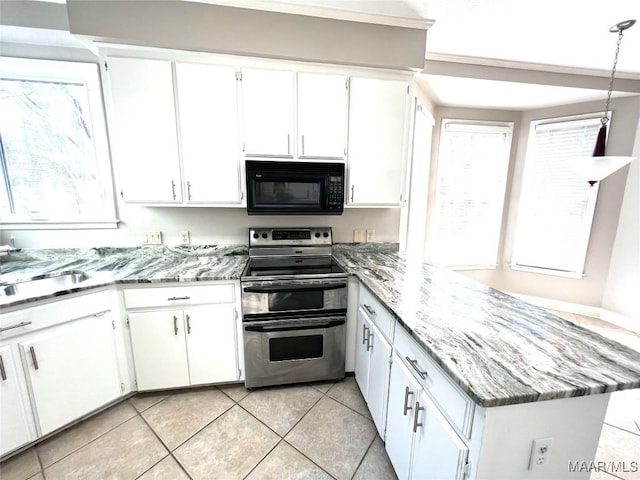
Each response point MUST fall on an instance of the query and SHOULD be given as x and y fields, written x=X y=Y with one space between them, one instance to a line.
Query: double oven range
x=294 y=307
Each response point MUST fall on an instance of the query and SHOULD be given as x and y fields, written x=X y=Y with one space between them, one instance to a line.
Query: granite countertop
x=497 y=348
x=109 y=265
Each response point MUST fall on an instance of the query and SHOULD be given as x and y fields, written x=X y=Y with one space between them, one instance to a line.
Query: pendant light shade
x=599 y=165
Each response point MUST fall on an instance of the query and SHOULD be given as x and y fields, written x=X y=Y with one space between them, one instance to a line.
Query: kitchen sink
x=41 y=284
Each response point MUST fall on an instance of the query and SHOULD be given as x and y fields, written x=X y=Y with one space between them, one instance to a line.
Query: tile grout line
x=365 y=455
x=263 y=458
x=637 y=434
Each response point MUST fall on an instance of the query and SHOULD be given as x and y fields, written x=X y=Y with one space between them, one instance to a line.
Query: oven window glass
x=287 y=301
x=295 y=348
x=289 y=192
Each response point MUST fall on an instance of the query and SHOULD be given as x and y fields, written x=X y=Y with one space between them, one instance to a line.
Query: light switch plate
x=371 y=235
x=357 y=236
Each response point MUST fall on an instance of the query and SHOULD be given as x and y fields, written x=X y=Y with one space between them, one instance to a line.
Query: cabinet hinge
x=106 y=66
x=121 y=194
x=346 y=84
x=239 y=76
x=239 y=373
x=235 y=313
x=407 y=89
x=113 y=324
x=241 y=195
x=122 y=388
x=243 y=147
x=135 y=384
x=466 y=470
x=128 y=324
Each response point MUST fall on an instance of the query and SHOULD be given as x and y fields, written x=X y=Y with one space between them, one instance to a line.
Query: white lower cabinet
x=14 y=427
x=72 y=370
x=372 y=368
x=194 y=342
x=420 y=442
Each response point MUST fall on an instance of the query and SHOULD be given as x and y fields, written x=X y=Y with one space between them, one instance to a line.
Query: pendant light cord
x=605 y=118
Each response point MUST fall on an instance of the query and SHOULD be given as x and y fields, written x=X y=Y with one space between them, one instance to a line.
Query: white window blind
x=472 y=169
x=556 y=208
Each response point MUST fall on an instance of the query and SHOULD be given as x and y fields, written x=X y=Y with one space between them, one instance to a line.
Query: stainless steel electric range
x=294 y=307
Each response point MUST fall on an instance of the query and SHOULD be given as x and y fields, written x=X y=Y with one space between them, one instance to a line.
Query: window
x=53 y=146
x=470 y=186
x=556 y=208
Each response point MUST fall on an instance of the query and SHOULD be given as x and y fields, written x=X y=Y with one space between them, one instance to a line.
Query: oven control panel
x=263 y=237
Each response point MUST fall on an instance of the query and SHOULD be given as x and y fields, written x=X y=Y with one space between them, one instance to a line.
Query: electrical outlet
x=371 y=235
x=357 y=236
x=152 y=238
x=540 y=451
x=184 y=238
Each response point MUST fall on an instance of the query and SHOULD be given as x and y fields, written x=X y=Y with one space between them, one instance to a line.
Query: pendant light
x=595 y=168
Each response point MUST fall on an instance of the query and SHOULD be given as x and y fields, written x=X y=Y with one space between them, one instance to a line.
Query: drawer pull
x=33 y=357
x=407 y=392
x=365 y=334
x=3 y=373
x=17 y=325
x=188 y=324
x=173 y=299
x=175 y=325
x=416 y=367
x=415 y=417
x=369 y=342
x=369 y=309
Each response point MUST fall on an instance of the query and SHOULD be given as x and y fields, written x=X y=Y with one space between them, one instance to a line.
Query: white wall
x=623 y=280
x=208 y=226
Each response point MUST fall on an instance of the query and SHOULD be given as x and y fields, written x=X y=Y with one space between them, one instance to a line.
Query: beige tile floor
x=314 y=431
x=310 y=431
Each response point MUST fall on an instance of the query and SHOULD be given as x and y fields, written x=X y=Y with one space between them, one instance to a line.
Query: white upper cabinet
x=377 y=145
x=268 y=112
x=322 y=110
x=209 y=132
x=143 y=129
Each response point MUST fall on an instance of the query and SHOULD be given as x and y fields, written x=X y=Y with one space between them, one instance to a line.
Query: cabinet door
x=438 y=451
x=403 y=393
x=72 y=370
x=378 y=388
x=267 y=105
x=159 y=350
x=363 y=330
x=143 y=126
x=322 y=106
x=376 y=153
x=14 y=429
x=211 y=344
x=209 y=135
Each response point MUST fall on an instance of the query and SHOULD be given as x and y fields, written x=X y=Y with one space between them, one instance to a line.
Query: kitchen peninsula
x=498 y=372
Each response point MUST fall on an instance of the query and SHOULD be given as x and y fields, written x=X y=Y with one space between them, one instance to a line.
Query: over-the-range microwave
x=284 y=187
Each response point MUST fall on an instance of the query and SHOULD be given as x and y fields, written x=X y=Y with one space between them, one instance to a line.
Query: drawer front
x=178 y=295
x=377 y=313
x=452 y=401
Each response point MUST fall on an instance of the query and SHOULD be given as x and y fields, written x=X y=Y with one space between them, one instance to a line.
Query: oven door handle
x=297 y=288
x=293 y=326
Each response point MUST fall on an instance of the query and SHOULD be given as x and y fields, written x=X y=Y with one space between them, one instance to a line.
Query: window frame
x=497 y=126
x=587 y=226
x=72 y=72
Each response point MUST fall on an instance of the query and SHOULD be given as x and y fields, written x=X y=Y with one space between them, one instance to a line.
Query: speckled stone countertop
x=109 y=265
x=499 y=349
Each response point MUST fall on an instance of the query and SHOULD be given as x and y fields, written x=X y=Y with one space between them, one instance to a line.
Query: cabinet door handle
x=416 y=367
x=188 y=324
x=415 y=417
x=173 y=189
x=302 y=144
x=17 y=325
x=352 y=187
x=173 y=299
x=188 y=191
x=369 y=309
x=175 y=325
x=365 y=334
x=369 y=342
x=33 y=357
x=3 y=373
x=407 y=392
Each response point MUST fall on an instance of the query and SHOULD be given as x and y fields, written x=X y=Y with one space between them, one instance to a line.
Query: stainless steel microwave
x=296 y=188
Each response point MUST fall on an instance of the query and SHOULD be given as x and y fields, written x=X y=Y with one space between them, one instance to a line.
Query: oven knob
x=325 y=234
x=317 y=234
x=255 y=235
x=264 y=235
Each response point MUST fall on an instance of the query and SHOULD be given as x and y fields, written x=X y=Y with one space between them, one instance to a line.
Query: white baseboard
x=579 y=309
